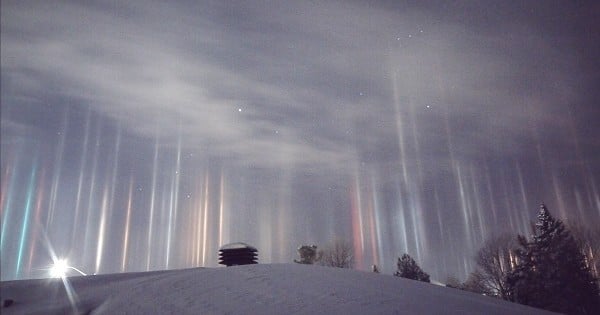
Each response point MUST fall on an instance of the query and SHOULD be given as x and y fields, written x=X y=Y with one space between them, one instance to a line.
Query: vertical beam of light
x=399 y=126
x=7 y=208
x=264 y=231
x=490 y=192
x=419 y=228
x=205 y=223
x=37 y=217
x=402 y=219
x=283 y=215
x=357 y=223
x=415 y=211
x=221 y=206
x=25 y=225
x=58 y=159
x=478 y=213
x=464 y=205
x=194 y=223
x=596 y=195
x=127 y=225
x=559 y=197
x=438 y=212
x=108 y=199
x=104 y=209
x=188 y=236
x=172 y=197
x=89 y=222
x=592 y=193
x=417 y=148
x=188 y=222
x=152 y=203
x=372 y=229
x=525 y=203
x=507 y=204
x=170 y=220
x=173 y=205
x=114 y=172
x=197 y=226
x=444 y=237
x=579 y=203
x=6 y=178
x=166 y=192
x=82 y=169
x=378 y=224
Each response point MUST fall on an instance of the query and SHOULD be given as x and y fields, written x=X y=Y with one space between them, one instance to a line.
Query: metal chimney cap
x=238 y=245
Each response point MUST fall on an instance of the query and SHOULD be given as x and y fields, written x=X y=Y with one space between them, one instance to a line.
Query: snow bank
x=249 y=289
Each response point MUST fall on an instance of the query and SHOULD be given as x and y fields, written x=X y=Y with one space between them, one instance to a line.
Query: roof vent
x=238 y=254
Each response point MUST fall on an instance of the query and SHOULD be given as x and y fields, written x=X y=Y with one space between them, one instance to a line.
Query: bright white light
x=59 y=269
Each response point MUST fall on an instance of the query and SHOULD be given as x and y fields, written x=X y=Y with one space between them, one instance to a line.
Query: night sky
x=144 y=135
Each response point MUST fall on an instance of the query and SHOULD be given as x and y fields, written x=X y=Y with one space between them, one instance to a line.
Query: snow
x=238 y=245
x=249 y=289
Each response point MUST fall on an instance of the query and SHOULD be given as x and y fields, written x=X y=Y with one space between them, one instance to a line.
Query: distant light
x=239 y=109
x=59 y=269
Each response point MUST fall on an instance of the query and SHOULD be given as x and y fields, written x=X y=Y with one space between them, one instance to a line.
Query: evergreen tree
x=551 y=272
x=408 y=268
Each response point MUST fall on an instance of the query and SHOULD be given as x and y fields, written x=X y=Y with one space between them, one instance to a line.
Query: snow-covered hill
x=250 y=289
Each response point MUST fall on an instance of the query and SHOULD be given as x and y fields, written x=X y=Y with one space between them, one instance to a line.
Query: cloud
x=312 y=81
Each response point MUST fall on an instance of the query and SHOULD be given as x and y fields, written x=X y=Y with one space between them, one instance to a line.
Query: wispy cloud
x=302 y=82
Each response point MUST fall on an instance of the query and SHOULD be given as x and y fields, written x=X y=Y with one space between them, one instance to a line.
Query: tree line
x=556 y=269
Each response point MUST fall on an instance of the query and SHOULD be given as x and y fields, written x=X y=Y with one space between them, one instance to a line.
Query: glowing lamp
x=59 y=269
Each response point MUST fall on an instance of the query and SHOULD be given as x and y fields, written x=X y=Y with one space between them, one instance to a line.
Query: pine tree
x=551 y=272
x=408 y=268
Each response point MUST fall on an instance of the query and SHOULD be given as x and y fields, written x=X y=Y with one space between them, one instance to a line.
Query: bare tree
x=337 y=254
x=453 y=282
x=308 y=254
x=477 y=282
x=495 y=260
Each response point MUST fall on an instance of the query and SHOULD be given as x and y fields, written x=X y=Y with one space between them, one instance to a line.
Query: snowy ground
x=251 y=289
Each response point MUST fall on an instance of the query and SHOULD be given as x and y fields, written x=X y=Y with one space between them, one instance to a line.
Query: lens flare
x=59 y=269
